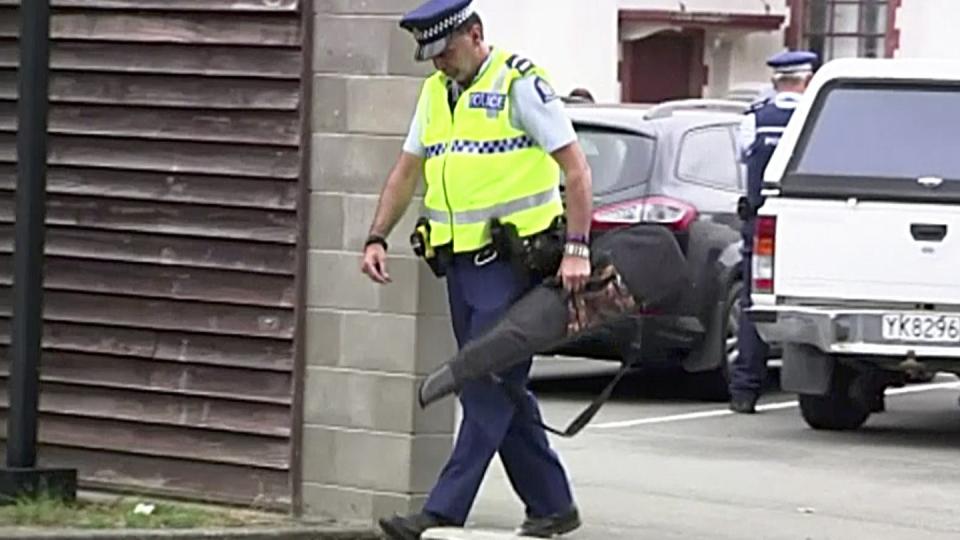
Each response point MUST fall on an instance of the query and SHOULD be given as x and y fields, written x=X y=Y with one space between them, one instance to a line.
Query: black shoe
x=878 y=404
x=743 y=404
x=551 y=526
x=412 y=526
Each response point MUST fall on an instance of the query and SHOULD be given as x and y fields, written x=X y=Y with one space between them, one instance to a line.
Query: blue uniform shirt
x=759 y=135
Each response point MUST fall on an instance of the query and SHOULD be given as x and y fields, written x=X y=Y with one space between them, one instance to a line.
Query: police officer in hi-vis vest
x=759 y=135
x=490 y=137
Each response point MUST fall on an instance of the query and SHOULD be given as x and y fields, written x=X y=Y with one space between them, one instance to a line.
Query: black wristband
x=375 y=239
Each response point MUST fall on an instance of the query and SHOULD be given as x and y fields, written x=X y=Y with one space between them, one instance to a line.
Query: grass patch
x=124 y=514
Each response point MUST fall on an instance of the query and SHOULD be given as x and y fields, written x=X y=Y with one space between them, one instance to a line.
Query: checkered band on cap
x=445 y=26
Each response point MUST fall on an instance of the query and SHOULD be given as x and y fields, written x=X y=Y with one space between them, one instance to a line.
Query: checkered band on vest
x=501 y=146
x=434 y=150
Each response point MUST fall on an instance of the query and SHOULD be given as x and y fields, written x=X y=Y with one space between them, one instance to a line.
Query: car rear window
x=618 y=160
x=883 y=132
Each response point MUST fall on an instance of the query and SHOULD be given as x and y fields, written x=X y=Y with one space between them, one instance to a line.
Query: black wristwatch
x=375 y=239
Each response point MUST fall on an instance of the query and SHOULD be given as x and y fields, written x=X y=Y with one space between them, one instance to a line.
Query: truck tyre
x=837 y=410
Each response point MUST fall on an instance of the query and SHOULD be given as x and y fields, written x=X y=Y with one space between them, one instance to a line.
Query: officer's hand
x=574 y=272
x=375 y=264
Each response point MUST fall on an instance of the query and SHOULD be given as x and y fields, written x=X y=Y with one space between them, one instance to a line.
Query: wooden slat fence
x=173 y=186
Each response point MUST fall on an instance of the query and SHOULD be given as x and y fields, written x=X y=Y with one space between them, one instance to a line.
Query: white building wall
x=574 y=40
x=578 y=41
x=928 y=29
x=756 y=7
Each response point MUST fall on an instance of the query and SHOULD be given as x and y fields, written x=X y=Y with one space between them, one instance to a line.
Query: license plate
x=921 y=327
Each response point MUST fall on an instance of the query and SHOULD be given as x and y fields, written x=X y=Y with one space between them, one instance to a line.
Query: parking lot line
x=715 y=413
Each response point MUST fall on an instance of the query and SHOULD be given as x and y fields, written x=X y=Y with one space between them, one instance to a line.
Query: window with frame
x=846 y=28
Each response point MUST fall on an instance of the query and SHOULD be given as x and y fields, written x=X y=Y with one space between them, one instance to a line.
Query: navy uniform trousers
x=750 y=367
x=479 y=296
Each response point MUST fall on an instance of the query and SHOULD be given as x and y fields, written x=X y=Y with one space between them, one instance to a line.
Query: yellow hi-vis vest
x=478 y=166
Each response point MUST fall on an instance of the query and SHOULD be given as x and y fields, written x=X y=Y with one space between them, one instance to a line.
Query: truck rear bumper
x=839 y=331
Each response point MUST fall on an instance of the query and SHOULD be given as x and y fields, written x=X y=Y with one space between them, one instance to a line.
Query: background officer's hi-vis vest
x=480 y=167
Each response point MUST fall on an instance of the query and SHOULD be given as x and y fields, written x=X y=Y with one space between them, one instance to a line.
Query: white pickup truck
x=856 y=267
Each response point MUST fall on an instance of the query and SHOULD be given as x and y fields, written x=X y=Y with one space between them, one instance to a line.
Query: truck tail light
x=764 y=252
x=676 y=214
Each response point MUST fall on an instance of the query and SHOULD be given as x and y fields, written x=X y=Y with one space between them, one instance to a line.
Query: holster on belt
x=538 y=255
x=438 y=259
x=747 y=209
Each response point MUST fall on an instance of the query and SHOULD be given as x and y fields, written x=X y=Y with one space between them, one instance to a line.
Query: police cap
x=433 y=23
x=792 y=62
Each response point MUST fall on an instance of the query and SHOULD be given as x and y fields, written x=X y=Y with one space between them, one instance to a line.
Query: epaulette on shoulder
x=522 y=65
x=757 y=105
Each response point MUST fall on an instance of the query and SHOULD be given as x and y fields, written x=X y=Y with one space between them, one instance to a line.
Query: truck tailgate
x=875 y=251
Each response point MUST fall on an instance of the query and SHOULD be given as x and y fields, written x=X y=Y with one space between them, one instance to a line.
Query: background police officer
x=759 y=135
x=490 y=137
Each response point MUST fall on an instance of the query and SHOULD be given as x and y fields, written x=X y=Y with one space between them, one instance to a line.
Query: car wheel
x=837 y=410
x=715 y=384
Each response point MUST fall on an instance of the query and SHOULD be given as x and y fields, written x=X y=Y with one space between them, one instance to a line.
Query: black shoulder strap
x=519 y=399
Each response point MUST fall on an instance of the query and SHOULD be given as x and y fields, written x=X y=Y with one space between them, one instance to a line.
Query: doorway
x=666 y=65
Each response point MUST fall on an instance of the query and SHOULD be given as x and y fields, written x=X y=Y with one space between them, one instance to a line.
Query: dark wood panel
x=184 y=188
x=162 y=409
x=161 y=441
x=173 y=173
x=164 y=91
x=162 y=314
x=145 y=248
x=155 y=376
x=166 y=58
x=267 y=6
x=244 y=224
x=230 y=351
x=200 y=28
x=245 y=127
x=227 y=287
x=172 y=157
x=207 y=481
x=9 y=22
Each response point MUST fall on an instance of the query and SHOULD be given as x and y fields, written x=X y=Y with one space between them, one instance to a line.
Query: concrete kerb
x=304 y=532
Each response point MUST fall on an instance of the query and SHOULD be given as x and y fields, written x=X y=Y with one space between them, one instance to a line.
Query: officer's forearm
x=579 y=188
x=396 y=194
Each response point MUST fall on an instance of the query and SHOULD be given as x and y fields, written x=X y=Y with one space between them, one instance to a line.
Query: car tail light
x=678 y=215
x=764 y=251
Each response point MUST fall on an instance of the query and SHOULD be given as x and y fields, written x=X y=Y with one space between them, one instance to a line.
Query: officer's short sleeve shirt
x=537 y=111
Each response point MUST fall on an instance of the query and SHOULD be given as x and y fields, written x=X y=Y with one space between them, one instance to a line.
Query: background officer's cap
x=433 y=22
x=792 y=62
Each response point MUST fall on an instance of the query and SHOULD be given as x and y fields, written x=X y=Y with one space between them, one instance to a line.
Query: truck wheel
x=835 y=411
x=715 y=384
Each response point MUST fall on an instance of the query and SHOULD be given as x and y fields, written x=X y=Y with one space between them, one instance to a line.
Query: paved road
x=657 y=464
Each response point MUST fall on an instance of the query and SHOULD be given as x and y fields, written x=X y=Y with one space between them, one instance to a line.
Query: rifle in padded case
x=638 y=272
